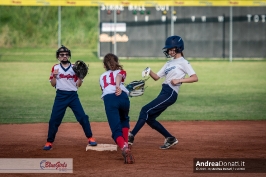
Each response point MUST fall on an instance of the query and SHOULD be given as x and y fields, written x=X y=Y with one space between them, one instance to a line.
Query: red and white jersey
x=107 y=81
x=66 y=78
x=175 y=69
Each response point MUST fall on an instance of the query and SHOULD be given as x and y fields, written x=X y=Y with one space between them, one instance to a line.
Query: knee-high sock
x=120 y=142
x=125 y=133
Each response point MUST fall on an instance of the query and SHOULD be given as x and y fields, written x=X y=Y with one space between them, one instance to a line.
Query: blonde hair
x=111 y=62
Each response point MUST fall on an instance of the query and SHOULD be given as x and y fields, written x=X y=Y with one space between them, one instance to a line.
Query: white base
x=102 y=147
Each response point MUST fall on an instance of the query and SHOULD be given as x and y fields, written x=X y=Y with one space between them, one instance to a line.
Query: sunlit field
x=225 y=91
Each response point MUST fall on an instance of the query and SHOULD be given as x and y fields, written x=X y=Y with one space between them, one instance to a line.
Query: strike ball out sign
x=142 y=10
x=135 y=9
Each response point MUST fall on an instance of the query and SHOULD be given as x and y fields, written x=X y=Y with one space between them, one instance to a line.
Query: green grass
x=44 y=54
x=225 y=91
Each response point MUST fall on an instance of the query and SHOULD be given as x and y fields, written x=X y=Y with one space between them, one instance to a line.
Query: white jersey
x=175 y=69
x=107 y=81
x=66 y=78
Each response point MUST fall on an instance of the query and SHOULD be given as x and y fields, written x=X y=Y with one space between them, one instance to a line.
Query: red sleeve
x=124 y=75
x=51 y=75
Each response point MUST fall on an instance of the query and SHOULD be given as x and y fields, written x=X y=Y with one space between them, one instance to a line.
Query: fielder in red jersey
x=116 y=102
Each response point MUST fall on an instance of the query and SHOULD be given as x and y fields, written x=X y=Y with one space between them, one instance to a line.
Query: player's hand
x=176 y=81
x=55 y=73
x=118 y=91
x=146 y=72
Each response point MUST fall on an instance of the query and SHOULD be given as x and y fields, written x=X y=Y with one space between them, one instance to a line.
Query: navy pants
x=64 y=99
x=117 y=109
x=152 y=110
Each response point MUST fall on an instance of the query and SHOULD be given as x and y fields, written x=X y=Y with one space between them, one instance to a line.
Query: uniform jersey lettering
x=169 y=69
x=112 y=80
x=108 y=84
x=68 y=76
x=105 y=82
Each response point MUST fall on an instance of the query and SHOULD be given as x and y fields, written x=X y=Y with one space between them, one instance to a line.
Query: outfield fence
x=208 y=32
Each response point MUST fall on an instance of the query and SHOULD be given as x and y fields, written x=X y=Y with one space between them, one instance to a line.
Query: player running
x=174 y=72
x=116 y=102
x=65 y=81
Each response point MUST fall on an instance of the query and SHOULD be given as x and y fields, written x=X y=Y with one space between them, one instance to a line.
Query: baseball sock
x=125 y=133
x=120 y=142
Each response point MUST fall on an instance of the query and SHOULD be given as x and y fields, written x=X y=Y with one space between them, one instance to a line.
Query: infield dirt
x=197 y=139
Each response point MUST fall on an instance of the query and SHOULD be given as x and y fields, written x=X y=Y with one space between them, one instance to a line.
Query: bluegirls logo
x=66 y=76
x=44 y=164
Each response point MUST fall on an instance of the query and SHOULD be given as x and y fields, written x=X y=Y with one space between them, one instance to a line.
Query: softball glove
x=136 y=88
x=81 y=69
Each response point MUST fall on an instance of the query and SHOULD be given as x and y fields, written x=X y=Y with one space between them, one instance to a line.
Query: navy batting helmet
x=62 y=49
x=174 y=42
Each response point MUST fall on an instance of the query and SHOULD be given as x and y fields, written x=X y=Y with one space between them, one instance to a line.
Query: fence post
x=231 y=35
x=59 y=26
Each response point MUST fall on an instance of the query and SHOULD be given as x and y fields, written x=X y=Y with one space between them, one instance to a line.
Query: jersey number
x=112 y=80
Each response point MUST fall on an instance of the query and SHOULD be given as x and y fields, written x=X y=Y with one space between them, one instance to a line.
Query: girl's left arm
x=191 y=79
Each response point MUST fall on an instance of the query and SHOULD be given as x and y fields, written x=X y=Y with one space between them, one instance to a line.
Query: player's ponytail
x=111 y=62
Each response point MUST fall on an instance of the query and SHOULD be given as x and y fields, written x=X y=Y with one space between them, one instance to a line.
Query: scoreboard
x=139 y=31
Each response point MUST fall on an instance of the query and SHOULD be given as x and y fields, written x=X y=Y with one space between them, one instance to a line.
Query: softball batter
x=174 y=72
x=65 y=81
x=116 y=102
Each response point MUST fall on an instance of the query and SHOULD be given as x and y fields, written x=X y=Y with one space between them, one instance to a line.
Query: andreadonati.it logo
x=220 y=163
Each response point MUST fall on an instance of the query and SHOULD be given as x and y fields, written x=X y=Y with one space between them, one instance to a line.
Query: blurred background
x=213 y=29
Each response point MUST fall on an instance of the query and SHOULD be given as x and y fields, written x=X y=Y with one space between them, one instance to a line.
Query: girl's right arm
x=158 y=75
x=154 y=76
x=118 y=80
